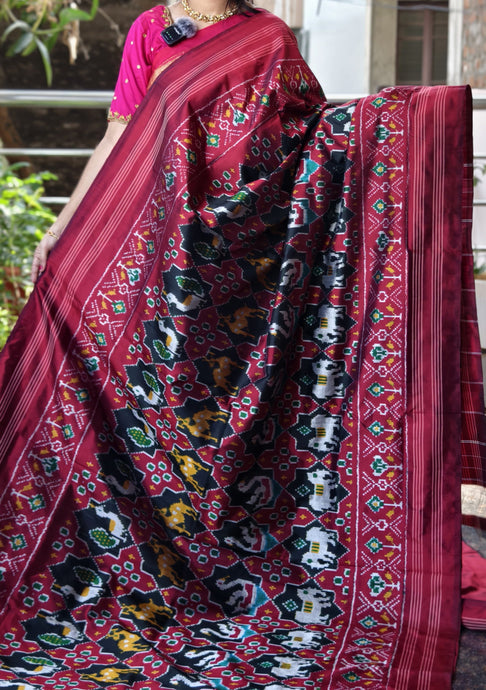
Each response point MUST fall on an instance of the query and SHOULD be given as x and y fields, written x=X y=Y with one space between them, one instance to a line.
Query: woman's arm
x=94 y=165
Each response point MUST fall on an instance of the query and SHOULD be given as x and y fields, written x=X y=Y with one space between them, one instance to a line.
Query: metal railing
x=42 y=98
x=32 y=98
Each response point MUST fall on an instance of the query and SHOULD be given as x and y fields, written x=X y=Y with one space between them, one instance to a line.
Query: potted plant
x=23 y=221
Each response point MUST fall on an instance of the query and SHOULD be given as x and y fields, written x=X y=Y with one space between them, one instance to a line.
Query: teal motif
x=376 y=428
x=91 y=364
x=50 y=465
x=374 y=545
x=379 y=466
x=119 y=307
x=37 y=502
x=169 y=179
x=133 y=275
x=18 y=542
x=376 y=390
x=369 y=623
x=213 y=140
x=352 y=677
x=378 y=102
x=239 y=116
x=375 y=503
x=382 y=133
x=380 y=206
x=383 y=240
x=67 y=431
x=380 y=169
x=379 y=353
x=376 y=585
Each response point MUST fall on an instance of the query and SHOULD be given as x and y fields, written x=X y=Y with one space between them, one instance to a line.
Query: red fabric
x=143 y=43
x=231 y=419
x=434 y=373
x=473 y=588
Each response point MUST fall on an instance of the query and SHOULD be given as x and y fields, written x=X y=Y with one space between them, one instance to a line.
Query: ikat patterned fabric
x=224 y=466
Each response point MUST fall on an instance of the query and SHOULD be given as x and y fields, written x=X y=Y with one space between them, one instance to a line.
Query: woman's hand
x=41 y=253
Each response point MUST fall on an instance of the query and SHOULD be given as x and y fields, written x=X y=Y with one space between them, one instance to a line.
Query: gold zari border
x=116 y=117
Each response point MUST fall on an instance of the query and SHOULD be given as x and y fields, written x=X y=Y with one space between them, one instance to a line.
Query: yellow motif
x=199 y=424
x=147 y=612
x=263 y=264
x=127 y=641
x=109 y=674
x=189 y=468
x=174 y=516
x=167 y=563
x=221 y=368
x=238 y=322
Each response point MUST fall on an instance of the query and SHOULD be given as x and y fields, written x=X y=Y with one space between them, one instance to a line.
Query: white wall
x=338 y=44
x=479 y=221
x=479 y=142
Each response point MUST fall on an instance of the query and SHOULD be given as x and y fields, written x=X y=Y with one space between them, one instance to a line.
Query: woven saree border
x=438 y=122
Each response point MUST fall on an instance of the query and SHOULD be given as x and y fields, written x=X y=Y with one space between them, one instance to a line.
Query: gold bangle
x=52 y=234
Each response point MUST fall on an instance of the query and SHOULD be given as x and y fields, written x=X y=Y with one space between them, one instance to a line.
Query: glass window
x=422 y=42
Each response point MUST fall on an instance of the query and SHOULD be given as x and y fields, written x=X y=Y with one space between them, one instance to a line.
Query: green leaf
x=15 y=166
x=21 y=44
x=51 y=40
x=69 y=14
x=46 y=60
x=94 y=8
x=23 y=26
x=30 y=49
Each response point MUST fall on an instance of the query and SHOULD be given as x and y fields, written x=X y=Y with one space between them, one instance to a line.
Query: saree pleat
x=234 y=410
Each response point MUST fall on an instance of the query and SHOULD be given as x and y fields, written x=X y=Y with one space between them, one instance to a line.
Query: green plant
x=7 y=322
x=479 y=171
x=479 y=266
x=23 y=221
x=37 y=24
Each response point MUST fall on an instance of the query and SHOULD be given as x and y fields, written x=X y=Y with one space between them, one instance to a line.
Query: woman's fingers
x=40 y=256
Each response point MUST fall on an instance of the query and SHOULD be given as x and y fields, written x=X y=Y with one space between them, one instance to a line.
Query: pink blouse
x=142 y=44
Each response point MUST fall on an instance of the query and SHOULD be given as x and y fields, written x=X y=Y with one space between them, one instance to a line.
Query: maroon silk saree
x=234 y=409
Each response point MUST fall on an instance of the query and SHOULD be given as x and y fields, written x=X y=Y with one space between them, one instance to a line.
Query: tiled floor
x=471 y=664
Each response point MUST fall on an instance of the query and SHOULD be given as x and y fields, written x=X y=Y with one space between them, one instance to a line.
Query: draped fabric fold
x=234 y=409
